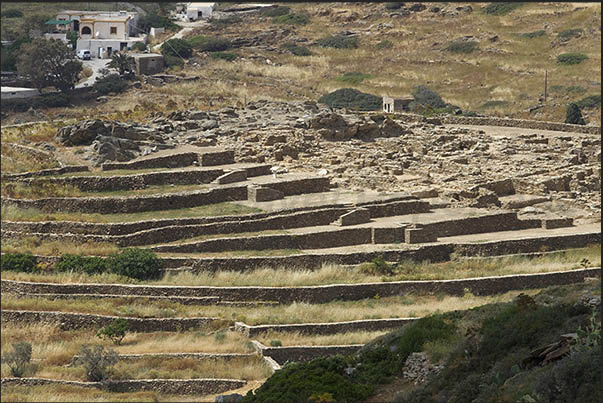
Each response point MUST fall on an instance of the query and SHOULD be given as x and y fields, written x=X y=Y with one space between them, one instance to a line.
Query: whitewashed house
x=196 y=11
x=18 y=92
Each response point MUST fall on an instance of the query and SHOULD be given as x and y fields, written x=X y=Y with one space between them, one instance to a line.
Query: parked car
x=83 y=54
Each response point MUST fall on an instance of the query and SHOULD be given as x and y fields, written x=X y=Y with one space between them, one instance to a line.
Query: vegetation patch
x=297 y=50
x=12 y=13
x=145 y=23
x=394 y=5
x=427 y=97
x=112 y=83
x=494 y=104
x=224 y=22
x=384 y=44
x=570 y=33
x=462 y=46
x=354 y=77
x=275 y=11
x=532 y=35
x=209 y=43
x=291 y=19
x=573 y=115
x=229 y=57
x=353 y=99
x=177 y=48
x=42 y=102
x=592 y=101
x=338 y=42
x=501 y=8
x=571 y=58
x=22 y=262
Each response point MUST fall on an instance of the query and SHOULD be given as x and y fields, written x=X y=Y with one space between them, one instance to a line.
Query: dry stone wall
x=521 y=123
x=46 y=172
x=283 y=355
x=170 y=161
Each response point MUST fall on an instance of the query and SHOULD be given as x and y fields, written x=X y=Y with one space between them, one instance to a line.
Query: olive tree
x=49 y=63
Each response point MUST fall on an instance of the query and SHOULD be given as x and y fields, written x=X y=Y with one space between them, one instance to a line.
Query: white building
x=197 y=11
x=18 y=92
x=104 y=32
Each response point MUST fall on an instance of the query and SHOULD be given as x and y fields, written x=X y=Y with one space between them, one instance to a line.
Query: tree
x=122 y=62
x=96 y=362
x=72 y=38
x=49 y=63
x=114 y=331
x=18 y=358
x=573 y=115
x=177 y=47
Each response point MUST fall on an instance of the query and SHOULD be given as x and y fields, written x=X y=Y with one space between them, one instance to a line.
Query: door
x=76 y=26
x=123 y=45
x=109 y=51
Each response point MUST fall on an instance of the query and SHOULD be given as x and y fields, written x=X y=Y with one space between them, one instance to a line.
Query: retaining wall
x=368 y=325
x=304 y=353
x=168 y=386
x=68 y=321
x=494 y=222
x=520 y=123
x=170 y=161
x=317 y=294
x=46 y=172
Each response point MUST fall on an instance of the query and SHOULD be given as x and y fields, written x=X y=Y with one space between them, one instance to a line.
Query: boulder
x=82 y=133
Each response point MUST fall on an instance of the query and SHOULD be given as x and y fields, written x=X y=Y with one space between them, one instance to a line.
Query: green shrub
x=222 y=22
x=177 y=47
x=12 y=13
x=591 y=101
x=114 y=331
x=275 y=11
x=79 y=263
x=139 y=46
x=171 y=61
x=275 y=343
x=141 y=264
x=570 y=33
x=44 y=101
x=229 y=57
x=18 y=358
x=353 y=99
x=532 y=35
x=145 y=22
x=297 y=50
x=354 y=77
x=338 y=42
x=377 y=266
x=291 y=19
x=209 y=43
x=425 y=96
x=23 y=262
x=501 y=8
x=110 y=83
x=97 y=362
x=462 y=46
x=385 y=44
x=576 y=89
x=573 y=115
x=571 y=58
x=394 y=5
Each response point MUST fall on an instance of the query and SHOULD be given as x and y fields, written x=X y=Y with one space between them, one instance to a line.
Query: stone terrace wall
x=494 y=222
x=46 y=172
x=300 y=186
x=307 y=353
x=112 y=205
x=170 y=386
x=170 y=161
x=369 y=325
x=69 y=321
x=315 y=294
x=521 y=123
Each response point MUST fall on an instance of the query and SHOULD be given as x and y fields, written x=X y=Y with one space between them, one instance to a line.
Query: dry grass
x=11 y=213
x=300 y=339
x=55 y=248
x=336 y=311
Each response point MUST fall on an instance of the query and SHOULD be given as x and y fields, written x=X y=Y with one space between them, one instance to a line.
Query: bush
x=275 y=343
x=462 y=46
x=353 y=77
x=222 y=22
x=377 y=266
x=23 y=262
x=532 y=35
x=384 y=45
x=145 y=23
x=18 y=359
x=426 y=96
x=115 y=331
x=177 y=47
x=291 y=19
x=141 y=264
x=229 y=57
x=209 y=43
x=353 y=99
x=12 y=13
x=501 y=8
x=570 y=33
x=591 y=101
x=297 y=50
x=275 y=11
x=573 y=115
x=96 y=362
x=171 y=61
x=394 y=5
x=339 y=42
x=571 y=58
x=139 y=46
x=110 y=83
x=83 y=264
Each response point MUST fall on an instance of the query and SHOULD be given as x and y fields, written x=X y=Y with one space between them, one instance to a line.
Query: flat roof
x=17 y=89
x=146 y=55
x=107 y=13
x=201 y=4
x=58 y=22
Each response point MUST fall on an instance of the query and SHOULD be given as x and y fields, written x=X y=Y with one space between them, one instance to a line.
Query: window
x=113 y=30
x=86 y=31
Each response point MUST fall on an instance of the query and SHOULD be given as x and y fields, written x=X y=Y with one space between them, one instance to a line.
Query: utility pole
x=545 y=83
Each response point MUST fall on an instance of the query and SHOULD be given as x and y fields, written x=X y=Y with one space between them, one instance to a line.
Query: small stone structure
x=418 y=234
x=148 y=63
x=391 y=105
x=354 y=217
x=237 y=175
x=262 y=193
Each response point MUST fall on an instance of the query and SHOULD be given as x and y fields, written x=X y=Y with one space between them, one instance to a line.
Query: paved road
x=96 y=65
